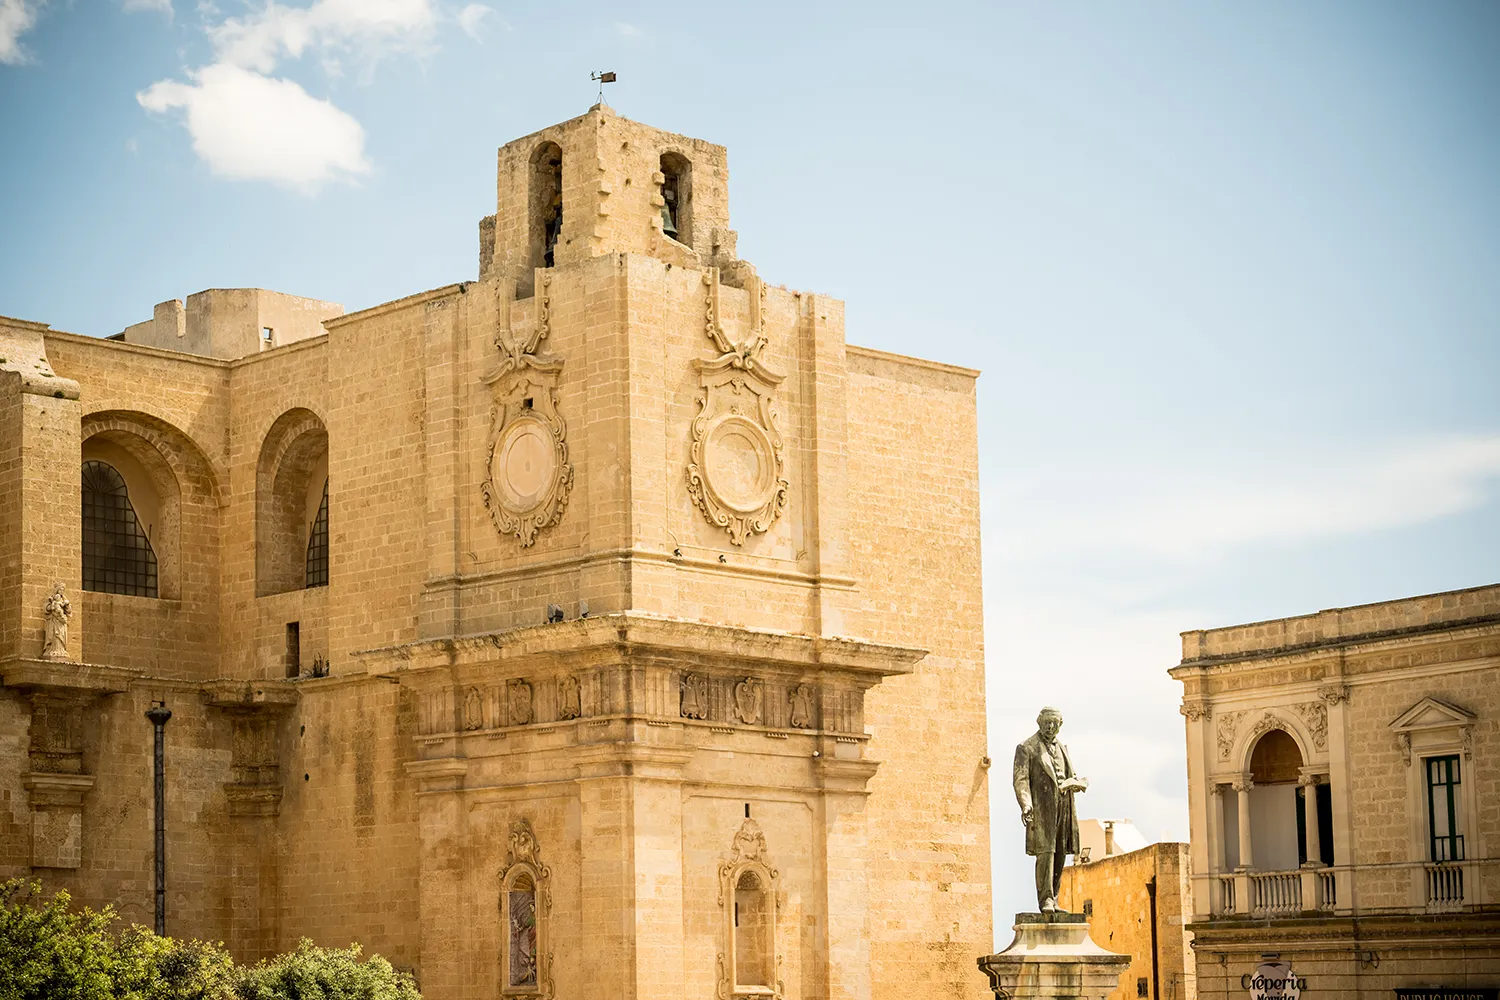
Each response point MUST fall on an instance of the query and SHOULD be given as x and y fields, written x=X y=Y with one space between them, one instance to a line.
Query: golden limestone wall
x=381 y=803
x=1114 y=892
x=914 y=520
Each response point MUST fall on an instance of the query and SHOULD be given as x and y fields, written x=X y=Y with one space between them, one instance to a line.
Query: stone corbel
x=255 y=710
x=65 y=703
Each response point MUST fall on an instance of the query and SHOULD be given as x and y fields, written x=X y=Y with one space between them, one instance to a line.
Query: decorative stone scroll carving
x=527 y=475
x=1263 y=725
x=694 y=703
x=518 y=698
x=1334 y=693
x=1315 y=716
x=750 y=963
x=569 y=698
x=525 y=915
x=57 y=613
x=737 y=473
x=801 y=714
x=1224 y=732
x=749 y=701
x=1193 y=711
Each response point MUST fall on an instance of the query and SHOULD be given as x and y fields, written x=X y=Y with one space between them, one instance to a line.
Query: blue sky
x=1230 y=270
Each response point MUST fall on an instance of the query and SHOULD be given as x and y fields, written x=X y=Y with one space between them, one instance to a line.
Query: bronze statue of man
x=1045 y=783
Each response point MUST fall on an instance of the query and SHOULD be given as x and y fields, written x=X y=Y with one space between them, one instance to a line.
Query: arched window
x=521 y=911
x=677 y=197
x=117 y=554
x=525 y=902
x=317 y=545
x=546 y=203
x=752 y=932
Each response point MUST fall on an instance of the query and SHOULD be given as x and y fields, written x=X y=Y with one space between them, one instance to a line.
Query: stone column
x=1242 y=902
x=443 y=830
x=1242 y=786
x=845 y=886
x=1309 y=785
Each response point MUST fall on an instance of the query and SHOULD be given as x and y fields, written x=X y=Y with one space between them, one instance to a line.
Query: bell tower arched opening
x=546 y=203
x=677 y=197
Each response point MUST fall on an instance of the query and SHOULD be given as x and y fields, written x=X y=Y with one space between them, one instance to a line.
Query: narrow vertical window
x=521 y=906
x=317 y=545
x=293 y=649
x=117 y=554
x=1443 y=819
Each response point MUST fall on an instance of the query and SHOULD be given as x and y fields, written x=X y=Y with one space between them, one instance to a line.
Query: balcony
x=1407 y=887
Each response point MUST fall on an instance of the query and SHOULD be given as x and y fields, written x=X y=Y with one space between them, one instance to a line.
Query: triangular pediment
x=1429 y=713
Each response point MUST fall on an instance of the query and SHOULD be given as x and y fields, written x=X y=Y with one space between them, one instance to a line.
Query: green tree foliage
x=51 y=952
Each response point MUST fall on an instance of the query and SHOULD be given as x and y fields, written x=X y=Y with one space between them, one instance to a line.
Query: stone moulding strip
x=396 y=305
x=540 y=728
x=530 y=570
x=1447 y=631
x=640 y=635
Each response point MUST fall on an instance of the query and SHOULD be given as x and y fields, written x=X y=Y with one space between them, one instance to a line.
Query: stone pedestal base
x=1052 y=955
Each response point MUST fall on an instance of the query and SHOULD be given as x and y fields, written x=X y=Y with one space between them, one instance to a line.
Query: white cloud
x=472 y=18
x=253 y=127
x=628 y=30
x=1186 y=511
x=369 y=27
x=16 y=18
x=163 y=6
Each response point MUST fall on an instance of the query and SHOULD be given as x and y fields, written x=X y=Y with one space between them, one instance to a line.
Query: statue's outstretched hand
x=1026 y=818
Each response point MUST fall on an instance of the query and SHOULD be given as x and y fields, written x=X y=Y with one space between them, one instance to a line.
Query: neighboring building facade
x=1343 y=770
x=1138 y=903
x=566 y=633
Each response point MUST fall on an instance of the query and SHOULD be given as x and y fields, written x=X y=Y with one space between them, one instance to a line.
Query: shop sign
x=1448 y=993
x=1273 y=981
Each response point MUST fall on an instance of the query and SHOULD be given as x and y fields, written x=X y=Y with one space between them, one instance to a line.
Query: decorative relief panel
x=737 y=473
x=694 y=696
x=801 y=716
x=1224 y=730
x=1315 y=716
x=518 y=700
x=527 y=475
x=569 y=697
x=749 y=701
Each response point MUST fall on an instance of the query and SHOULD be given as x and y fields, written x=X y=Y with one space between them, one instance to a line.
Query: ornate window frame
x=524 y=860
x=1435 y=728
x=748 y=855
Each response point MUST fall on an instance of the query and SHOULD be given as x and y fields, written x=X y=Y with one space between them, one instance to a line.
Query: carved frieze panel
x=1224 y=730
x=737 y=473
x=569 y=697
x=749 y=701
x=527 y=474
x=694 y=696
x=801 y=716
x=518 y=697
x=1315 y=717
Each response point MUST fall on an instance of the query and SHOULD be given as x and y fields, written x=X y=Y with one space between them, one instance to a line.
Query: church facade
x=607 y=626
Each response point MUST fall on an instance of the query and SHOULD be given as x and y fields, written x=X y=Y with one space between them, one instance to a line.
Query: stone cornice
x=55 y=675
x=633 y=634
x=265 y=695
x=1488 y=625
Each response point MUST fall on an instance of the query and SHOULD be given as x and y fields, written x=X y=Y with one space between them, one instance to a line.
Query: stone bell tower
x=660 y=611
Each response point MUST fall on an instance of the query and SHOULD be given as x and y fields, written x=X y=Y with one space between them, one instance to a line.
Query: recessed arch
x=1270 y=719
x=163 y=470
x=291 y=483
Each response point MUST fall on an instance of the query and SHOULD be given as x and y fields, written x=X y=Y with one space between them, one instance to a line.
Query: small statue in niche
x=569 y=702
x=473 y=709
x=694 y=696
x=801 y=698
x=57 y=612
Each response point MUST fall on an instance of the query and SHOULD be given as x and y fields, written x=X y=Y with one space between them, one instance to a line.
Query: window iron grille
x=317 y=545
x=117 y=553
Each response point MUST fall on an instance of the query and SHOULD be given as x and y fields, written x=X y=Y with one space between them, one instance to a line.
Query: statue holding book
x=1045 y=785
